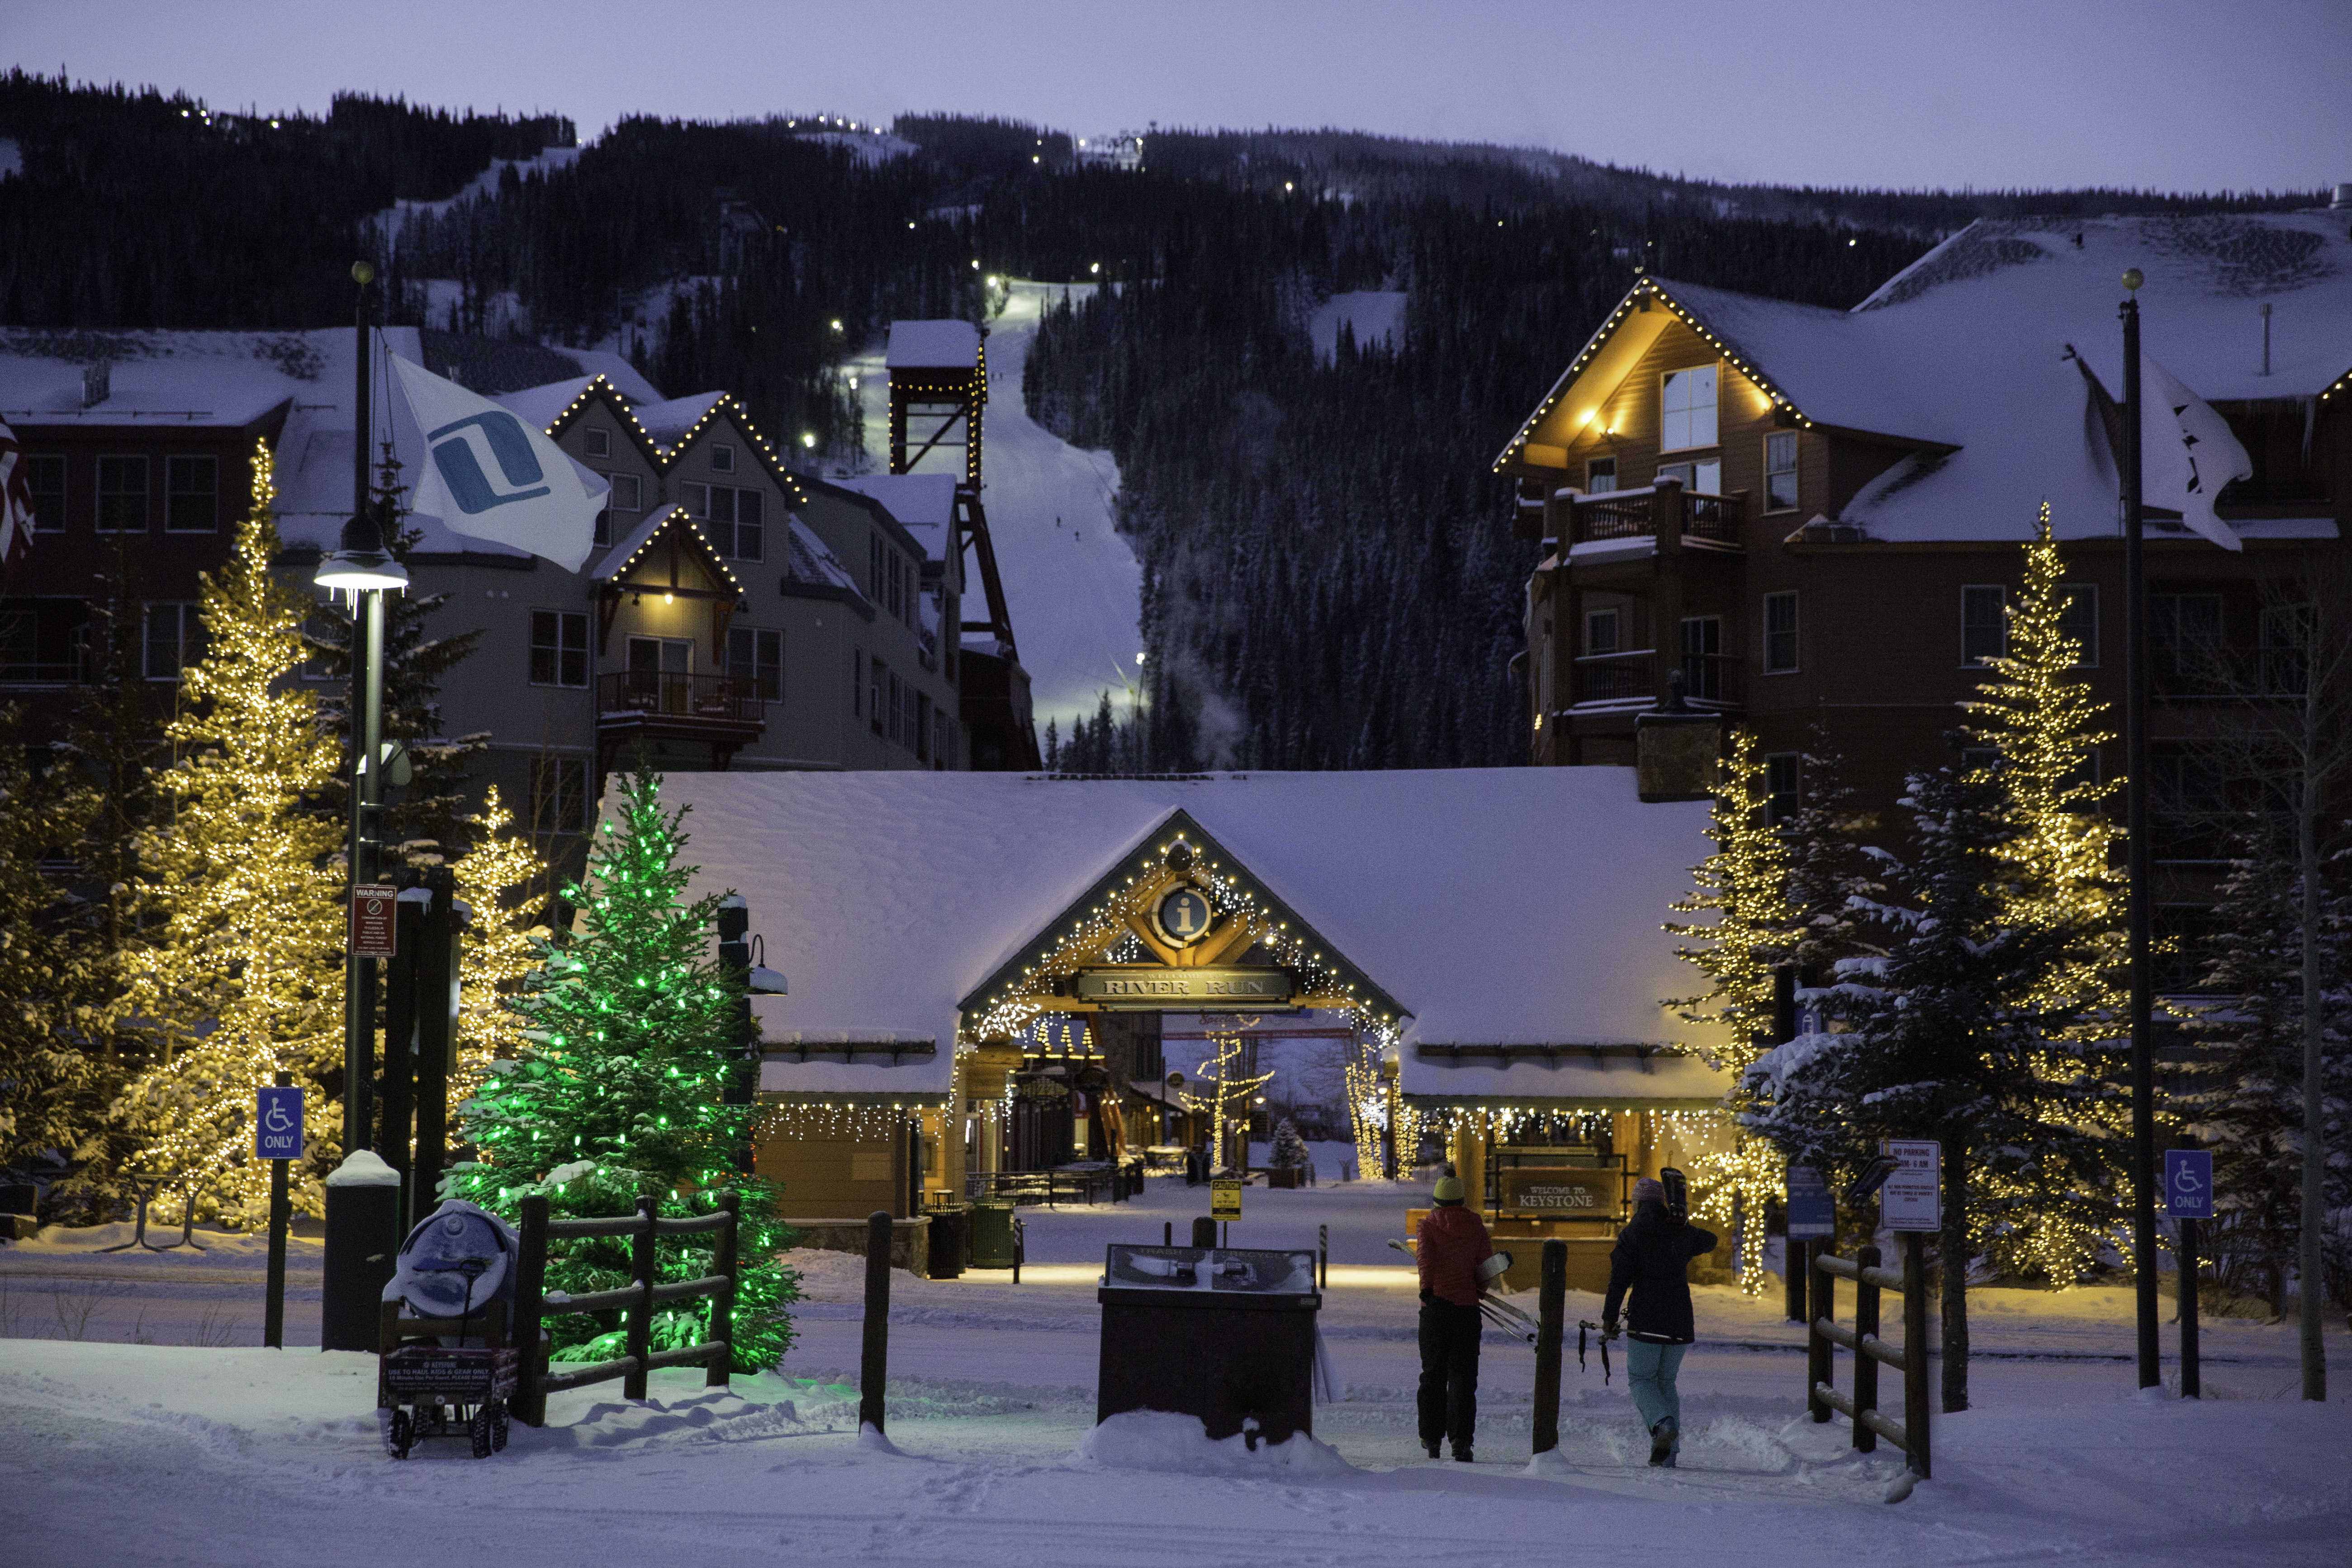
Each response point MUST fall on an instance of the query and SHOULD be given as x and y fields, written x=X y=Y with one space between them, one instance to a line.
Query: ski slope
x=1072 y=585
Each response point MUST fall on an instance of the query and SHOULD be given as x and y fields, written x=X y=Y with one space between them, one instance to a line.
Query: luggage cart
x=444 y=1375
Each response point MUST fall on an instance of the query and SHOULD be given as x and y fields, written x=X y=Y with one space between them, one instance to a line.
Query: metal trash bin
x=945 y=1259
x=1226 y=1334
x=991 y=1233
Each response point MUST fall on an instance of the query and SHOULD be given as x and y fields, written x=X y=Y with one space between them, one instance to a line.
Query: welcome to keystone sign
x=1560 y=1190
x=1203 y=990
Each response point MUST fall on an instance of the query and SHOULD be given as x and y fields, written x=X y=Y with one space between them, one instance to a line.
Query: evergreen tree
x=2036 y=713
x=2242 y=1096
x=245 y=975
x=1830 y=868
x=632 y=1030
x=1286 y=1151
x=500 y=945
x=52 y=1098
x=1951 y=1035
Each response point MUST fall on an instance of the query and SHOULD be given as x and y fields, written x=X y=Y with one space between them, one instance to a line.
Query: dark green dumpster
x=1225 y=1334
x=991 y=1232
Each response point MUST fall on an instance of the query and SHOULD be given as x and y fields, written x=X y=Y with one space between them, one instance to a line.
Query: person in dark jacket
x=1452 y=1244
x=1651 y=1257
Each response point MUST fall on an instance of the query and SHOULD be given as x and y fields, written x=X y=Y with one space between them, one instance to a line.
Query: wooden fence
x=1869 y=1351
x=639 y=1299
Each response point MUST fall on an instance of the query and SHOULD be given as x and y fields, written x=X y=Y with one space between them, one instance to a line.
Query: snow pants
x=1650 y=1369
x=1449 y=1372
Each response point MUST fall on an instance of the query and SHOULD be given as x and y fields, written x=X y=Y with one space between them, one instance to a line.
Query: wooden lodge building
x=1814 y=517
x=972 y=957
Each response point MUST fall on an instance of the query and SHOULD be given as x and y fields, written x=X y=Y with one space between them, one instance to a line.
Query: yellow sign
x=1225 y=1198
x=1204 y=990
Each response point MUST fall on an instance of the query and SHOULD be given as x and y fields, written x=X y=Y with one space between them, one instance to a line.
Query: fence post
x=728 y=1266
x=873 y=1364
x=1865 y=1329
x=1916 y=1401
x=1323 y=1256
x=1796 y=1262
x=1551 y=1329
x=1819 y=1366
x=529 y=1405
x=641 y=1316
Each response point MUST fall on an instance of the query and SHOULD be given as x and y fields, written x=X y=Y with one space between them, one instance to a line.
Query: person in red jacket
x=1452 y=1244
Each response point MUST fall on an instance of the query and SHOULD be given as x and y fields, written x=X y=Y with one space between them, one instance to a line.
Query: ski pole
x=1582 y=1325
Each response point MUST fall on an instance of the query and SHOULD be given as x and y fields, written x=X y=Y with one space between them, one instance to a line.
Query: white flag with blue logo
x=488 y=475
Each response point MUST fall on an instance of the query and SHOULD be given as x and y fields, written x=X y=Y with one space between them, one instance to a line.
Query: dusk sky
x=2173 y=94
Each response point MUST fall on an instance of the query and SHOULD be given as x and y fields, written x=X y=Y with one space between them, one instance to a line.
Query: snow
x=1072 y=587
x=871 y=147
x=889 y=897
x=1375 y=316
x=209 y=1455
x=364 y=1168
x=933 y=345
x=671 y=418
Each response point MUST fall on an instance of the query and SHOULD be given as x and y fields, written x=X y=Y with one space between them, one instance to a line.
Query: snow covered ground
x=200 y=1447
x=1071 y=583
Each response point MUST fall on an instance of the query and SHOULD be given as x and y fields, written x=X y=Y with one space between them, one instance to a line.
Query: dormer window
x=1599 y=476
x=722 y=456
x=1686 y=409
x=596 y=443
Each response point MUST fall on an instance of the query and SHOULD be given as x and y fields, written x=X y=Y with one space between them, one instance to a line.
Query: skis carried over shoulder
x=1677 y=1193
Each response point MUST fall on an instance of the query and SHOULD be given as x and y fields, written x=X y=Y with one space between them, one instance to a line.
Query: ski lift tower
x=939 y=403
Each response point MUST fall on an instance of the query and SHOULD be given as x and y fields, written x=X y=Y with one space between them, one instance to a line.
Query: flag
x=488 y=474
x=2187 y=453
x=15 y=502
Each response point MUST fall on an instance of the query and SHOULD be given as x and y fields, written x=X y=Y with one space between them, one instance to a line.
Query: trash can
x=946 y=1252
x=1226 y=1334
x=991 y=1232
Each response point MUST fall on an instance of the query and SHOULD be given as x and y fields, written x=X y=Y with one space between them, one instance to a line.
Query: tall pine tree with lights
x=245 y=976
x=500 y=945
x=632 y=1028
x=2037 y=715
x=1745 y=886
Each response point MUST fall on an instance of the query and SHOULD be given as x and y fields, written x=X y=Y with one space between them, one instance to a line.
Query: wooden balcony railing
x=1663 y=510
x=1629 y=679
x=628 y=697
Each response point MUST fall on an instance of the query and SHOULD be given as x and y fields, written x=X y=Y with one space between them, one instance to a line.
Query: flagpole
x=2137 y=862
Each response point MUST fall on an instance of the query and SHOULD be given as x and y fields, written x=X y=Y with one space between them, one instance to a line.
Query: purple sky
x=2173 y=94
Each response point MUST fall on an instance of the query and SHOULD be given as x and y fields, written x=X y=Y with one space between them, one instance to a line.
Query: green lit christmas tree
x=634 y=1030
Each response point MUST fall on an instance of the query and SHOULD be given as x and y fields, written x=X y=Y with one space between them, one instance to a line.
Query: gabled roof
x=533 y=400
x=639 y=541
x=1963 y=355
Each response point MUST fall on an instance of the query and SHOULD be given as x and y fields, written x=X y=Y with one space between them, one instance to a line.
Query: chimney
x=2342 y=202
x=97 y=383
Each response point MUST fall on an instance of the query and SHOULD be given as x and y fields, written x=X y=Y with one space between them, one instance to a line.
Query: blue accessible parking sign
x=277 y=1124
x=2189 y=1183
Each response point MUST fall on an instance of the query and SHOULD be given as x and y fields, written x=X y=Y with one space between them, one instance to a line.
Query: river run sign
x=1203 y=990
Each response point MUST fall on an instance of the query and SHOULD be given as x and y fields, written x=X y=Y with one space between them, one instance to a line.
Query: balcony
x=1628 y=682
x=1663 y=512
x=722 y=711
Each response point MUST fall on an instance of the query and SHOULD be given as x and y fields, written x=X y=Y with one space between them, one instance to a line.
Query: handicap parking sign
x=2189 y=1183
x=277 y=1122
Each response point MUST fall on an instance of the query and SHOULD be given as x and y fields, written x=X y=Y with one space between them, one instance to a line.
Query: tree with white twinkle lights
x=499 y=947
x=246 y=977
x=631 y=1026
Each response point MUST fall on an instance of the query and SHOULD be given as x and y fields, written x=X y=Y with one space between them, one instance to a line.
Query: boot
x=1662 y=1443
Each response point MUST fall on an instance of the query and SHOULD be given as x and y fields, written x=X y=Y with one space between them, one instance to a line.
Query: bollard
x=1167 y=1232
x=1551 y=1329
x=530 y=1404
x=363 y=1239
x=873 y=1368
x=1204 y=1231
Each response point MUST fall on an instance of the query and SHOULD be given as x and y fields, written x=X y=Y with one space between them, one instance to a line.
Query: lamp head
x=2133 y=278
x=360 y=562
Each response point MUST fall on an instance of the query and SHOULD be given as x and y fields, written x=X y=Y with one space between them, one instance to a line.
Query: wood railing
x=1869 y=1351
x=1709 y=680
x=645 y=1291
x=1660 y=511
x=712 y=698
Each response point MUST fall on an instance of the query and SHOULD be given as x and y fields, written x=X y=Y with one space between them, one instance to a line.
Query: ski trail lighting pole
x=2137 y=862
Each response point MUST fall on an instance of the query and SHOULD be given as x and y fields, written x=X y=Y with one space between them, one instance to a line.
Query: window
x=2187 y=804
x=874 y=567
x=1704 y=477
x=122 y=495
x=604 y=528
x=750 y=538
x=45 y=476
x=2285 y=655
x=1687 y=406
x=596 y=443
x=191 y=495
x=559 y=794
x=1600 y=633
x=734 y=517
x=1783 y=776
x=1984 y=623
x=1779 y=633
x=757 y=657
x=879 y=682
x=1600 y=476
x=174 y=641
x=628 y=493
x=722 y=457
x=897 y=713
x=922 y=728
x=2184 y=641
x=1780 y=471
x=559 y=647
x=1703 y=656
x=2078 y=619
x=857 y=684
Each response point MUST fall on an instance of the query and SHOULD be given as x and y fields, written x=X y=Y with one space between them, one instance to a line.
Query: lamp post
x=2136 y=859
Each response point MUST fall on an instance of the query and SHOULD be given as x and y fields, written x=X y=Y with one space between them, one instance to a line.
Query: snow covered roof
x=1499 y=906
x=159 y=378
x=668 y=421
x=616 y=561
x=810 y=560
x=1963 y=354
x=544 y=405
x=915 y=500
x=932 y=345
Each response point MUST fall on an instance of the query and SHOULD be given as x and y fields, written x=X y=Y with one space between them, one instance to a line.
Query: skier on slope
x=1652 y=1255
x=1452 y=1244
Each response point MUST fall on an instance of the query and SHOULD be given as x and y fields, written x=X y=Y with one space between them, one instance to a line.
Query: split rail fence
x=638 y=1299
x=1869 y=1351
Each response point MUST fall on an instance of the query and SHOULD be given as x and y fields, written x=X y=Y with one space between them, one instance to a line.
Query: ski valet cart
x=1499 y=1314
x=446 y=1367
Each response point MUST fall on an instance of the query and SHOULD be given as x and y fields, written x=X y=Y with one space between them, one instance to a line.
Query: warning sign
x=375 y=926
x=1225 y=1198
x=1913 y=1197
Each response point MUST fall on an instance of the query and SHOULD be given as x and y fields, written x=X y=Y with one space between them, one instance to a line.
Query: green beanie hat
x=1448 y=1190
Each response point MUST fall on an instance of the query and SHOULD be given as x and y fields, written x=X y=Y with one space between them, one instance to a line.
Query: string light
x=499 y=946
